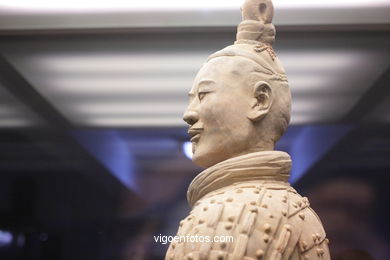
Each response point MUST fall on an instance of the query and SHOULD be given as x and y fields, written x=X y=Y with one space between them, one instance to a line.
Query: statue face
x=220 y=99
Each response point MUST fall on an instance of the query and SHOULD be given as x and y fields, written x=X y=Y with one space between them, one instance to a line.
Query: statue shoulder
x=306 y=229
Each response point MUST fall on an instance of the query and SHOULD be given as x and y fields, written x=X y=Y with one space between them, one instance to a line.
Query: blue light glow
x=311 y=145
x=5 y=238
x=110 y=149
x=187 y=149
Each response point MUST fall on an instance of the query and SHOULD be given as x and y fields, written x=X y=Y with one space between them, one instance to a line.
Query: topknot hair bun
x=256 y=26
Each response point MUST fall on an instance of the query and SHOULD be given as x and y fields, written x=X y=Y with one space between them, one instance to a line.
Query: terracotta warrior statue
x=240 y=105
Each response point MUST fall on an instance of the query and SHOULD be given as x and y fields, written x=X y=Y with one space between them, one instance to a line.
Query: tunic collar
x=264 y=165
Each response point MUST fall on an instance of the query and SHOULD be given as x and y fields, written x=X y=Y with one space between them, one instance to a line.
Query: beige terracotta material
x=240 y=105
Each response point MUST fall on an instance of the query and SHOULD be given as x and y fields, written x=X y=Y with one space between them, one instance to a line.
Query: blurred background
x=93 y=159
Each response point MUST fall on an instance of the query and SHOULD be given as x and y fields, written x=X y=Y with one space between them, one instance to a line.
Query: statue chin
x=203 y=159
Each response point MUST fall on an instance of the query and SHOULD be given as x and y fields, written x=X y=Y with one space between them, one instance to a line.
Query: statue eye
x=201 y=95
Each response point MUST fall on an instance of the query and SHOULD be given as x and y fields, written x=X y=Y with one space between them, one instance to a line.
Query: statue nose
x=191 y=117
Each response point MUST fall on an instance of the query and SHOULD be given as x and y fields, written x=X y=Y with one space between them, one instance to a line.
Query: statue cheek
x=207 y=110
x=213 y=114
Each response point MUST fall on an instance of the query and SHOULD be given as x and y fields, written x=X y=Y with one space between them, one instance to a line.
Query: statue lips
x=194 y=133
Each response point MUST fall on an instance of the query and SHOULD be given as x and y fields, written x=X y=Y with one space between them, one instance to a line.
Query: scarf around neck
x=264 y=165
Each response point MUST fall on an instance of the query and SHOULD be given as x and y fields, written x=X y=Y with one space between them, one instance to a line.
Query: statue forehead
x=229 y=70
x=235 y=65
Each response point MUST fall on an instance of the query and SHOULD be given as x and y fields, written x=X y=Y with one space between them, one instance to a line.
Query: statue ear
x=261 y=101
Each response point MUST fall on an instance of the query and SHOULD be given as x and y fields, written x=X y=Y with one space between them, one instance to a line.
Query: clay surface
x=240 y=105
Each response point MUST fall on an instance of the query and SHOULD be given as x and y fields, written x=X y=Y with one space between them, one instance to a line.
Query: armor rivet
x=287 y=227
x=304 y=245
x=228 y=226
x=320 y=251
x=259 y=254
x=267 y=228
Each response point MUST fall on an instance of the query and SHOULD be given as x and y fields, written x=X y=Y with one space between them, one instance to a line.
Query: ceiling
x=141 y=79
x=138 y=74
x=15 y=114
x=117 y=14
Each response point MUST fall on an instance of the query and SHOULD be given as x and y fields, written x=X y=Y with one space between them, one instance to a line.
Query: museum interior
x=95 y=157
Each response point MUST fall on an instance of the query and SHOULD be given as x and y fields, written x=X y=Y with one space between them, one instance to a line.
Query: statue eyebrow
x=206 y=82
x=202 y=82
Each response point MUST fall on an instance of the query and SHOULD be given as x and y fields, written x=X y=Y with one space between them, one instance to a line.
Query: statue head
x=240 y=101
